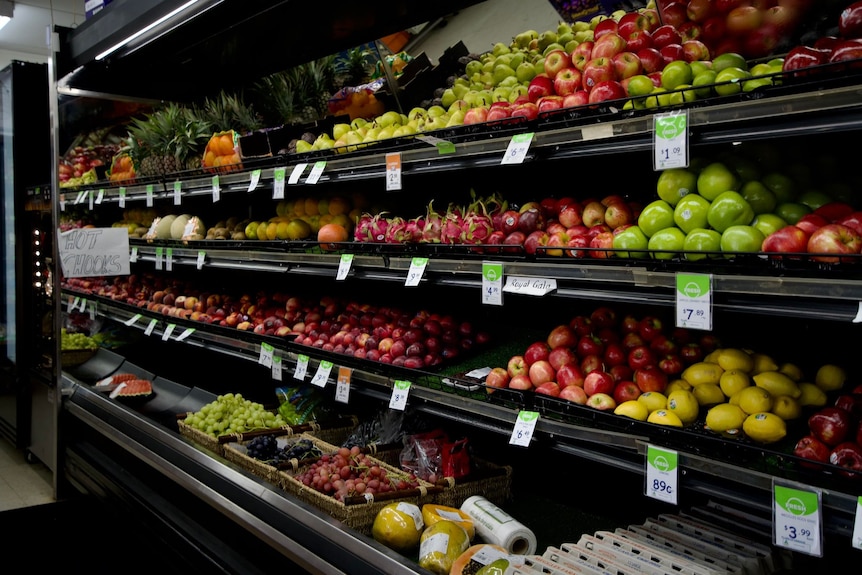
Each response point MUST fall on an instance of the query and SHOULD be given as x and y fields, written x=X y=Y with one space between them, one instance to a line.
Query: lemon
x=811 y=395
x=708 y=394
x=677 y=384
x=664 y=417
x=830 y=377
x=764 y=427
x=398 y=525
x=732 y=381
x=684 y=404
x=712 y=357
x=261 y=230
x=725 y=417
x=251 y=230
x=281 y=231
x=763 y=362
x=786 y=407
x=732 y=358
x=791 y=370
x=777 y=384
x=634 y=409
x=653 y=400
x=702 y=372
x=753 y=399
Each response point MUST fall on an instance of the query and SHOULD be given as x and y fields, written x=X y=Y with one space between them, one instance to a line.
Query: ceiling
x=26 y=36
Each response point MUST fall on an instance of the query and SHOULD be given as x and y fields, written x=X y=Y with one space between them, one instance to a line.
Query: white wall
x=25 y=37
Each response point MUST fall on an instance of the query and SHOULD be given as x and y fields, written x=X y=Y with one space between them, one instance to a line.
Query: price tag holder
x=492 y=283
x=670 y=141
x=160 y=258
x=100 y=196
x=150 y=196
x=91 y=309
x=277 y=184
x=265 y=358
x=202 y=256
x=178 y=193
x=344 y=266
x=400 y=391
x=321 y=376
x=169 y=259
x=393 y=171
x=80 y=197
x=133 y=256
x=694 y=301
x=316 y=172
x=417 y=269
x=301 y=367
x=90 y=200
x=151 y=326
x=62 y=201
x=255 y=180
x=857 y=525
x=342 y=384
x=216 y=189
x=529 y=286
x=662 y=472
x=186 y=333
x=168 y=331
x=519 y=145
x=796 y=518
x=121 y=197
x=525 y=425
x=276 y=367
x=74 y=303
x=131 y=321
x=296 y=173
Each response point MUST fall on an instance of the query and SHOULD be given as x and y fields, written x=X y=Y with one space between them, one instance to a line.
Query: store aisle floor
x=22 y=484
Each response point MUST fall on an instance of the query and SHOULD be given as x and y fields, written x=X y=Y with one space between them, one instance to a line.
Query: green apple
x=715 y=179
x=676 y=183
x=741 y=239
x=633 y=241
x=729 y=209
x=729 y=60
x=639 y=85
x=698 y=66
x=703 y=83
x=742 y=165
x=781 y=185
x=676 y=73
x=701 y=240
x=691 y=213
x=768 y=223
x=657 y=98
x=666 y=243
x=760 y=198
x=792 y=211
x=729 y=81
x=813 y=199
x=656 y=216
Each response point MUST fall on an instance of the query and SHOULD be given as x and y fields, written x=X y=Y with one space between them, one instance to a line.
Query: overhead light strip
x=146 y=29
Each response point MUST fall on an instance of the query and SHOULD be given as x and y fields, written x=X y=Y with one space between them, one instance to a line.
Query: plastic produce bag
x=386 y=427
x=455 y=458
x=298 y=405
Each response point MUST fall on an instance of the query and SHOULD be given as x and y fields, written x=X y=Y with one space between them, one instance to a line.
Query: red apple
x=582 y=54
x=608 y=46
x=589 y=345
x=602 y=245
x=626 y=391
x=536 y=351
x=699 y=10
x=567 y=81
x=516 y=366
x=626 y=65
x=674 y=14
x=691 y=353
x=672 y=53
x=571 y=215
x=713 y=29
x=601 y=401
x=632 y=22
x=633 y=339
x=852 y=221
x=789 y=239
x=550 y=388
x=809 y=223
x=618 y=214
x=651 y=60
x=650 y=327
x=664 y=35
x=629 y=324
x=834 y=211
x=650 y=378
x=476 y=115
x=540 y=86
x=663 y=345
x=562 y=336
x=555 y=61
x=535 y=240
x=581 y=324
x=605 y=27
x=850 y=21
x=521 y=382
x=799 y=58
x=497 y=378
x=671 y=364
x=598 y=70
x=574 y=394
x=575 y=99
x=834 y=239
x=603 y=317
x=570 y=374
x=641 y=356
x=541 y=371
x=812 y=449
x=831 y=425
x=593 y=214
x=849 y=456
x=621 y=372
x=598 y=381
x=499 y=112
x=591 y=363
x=638 y=40
x=527 y=110
x=744 y=20
x=550 y=103
x=561 y=356
x=694 y=50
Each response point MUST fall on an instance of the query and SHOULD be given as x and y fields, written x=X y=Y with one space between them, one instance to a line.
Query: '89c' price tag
x=796 y=518
x=662 y=471
x=670 y=144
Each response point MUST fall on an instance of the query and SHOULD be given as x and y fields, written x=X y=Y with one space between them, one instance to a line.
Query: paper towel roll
x=496 y=526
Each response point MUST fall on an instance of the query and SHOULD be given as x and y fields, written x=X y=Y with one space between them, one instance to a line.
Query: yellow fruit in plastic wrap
x=432 y=513
x=440 y=545
x=398 y=525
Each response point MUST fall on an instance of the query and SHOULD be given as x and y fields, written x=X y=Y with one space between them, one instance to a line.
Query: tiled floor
x=22 y=484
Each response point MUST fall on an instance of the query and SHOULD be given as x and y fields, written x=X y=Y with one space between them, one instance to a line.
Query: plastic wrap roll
x=496 y=526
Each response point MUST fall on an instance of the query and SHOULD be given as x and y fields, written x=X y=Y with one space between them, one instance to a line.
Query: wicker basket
x=75 y=357
x=358 y=513
x=236 y=452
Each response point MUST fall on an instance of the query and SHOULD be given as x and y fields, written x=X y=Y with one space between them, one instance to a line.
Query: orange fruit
x=311 y=207
x=338 y=206
x=331 y=233
x=225 y=145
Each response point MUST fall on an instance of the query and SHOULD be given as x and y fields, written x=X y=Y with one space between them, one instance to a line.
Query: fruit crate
x=237 y=452
x=357 y=512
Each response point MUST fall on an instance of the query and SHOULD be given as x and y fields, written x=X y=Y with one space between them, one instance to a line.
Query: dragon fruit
x=477 y=225
x=452 y=230
x=378 y=227
x=415 y=228
x=396 y=231
x=362 y=232
x=433 y=226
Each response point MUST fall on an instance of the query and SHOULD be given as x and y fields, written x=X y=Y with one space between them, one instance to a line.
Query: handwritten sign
x=529 y=285
x=94 y=252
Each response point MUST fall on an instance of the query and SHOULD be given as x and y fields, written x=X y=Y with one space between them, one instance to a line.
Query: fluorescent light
x=145 y=29
x=4 y=20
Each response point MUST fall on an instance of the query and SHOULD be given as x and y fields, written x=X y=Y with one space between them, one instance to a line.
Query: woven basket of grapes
x=75 y=357
x=352 y=487
x=266 y=455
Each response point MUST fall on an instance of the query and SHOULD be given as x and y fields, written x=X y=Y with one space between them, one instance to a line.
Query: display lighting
x=146 y=29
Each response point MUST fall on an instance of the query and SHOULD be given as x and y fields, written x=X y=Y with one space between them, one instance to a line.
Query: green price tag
x=694 y=301
x=796 y=516
x=670 y=142
x=662 y=472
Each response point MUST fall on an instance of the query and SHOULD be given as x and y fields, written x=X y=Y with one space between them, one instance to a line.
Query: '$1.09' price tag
x=671 y=140
x=661 y=474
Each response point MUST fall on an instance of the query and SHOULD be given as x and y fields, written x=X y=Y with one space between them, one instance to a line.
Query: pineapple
x=167 y=141
x=230 y=112
x=300 y=95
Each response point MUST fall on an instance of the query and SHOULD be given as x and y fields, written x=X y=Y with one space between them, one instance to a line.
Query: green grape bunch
x=76 y=341
x=232 y=413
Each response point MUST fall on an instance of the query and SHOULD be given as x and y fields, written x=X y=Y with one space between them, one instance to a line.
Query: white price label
x=857 y=525
x=100 y=196
x=344 y=266
x=74 y=303
x=255 y=180
x=133 y=256
x=151 y=326
x=202 y=257
x=150 y=196
x=121 y=197
x=62 y=202
x=276 y=367
x=796 y=518
x=529 y=286
x=417 y=269
x=301 y=367
x=670 y=144
x=90 y=198
x=131 y=321
x=316 y=172
x=91 y=309
x=400 y=391
x=519 y=145
x=265 y=358
x=169 y=259
x=393 y=171
x=525 y=425
x=296 y=173
x=492 y=283
x=321 y=376
x=186 y=333
x=662 y=470
x=168 y=331
x=342 y=384
x=160 y=258
x=278 y=184
x=80 y=197
x=178 y=193
x=216 y=189
x=694 y=301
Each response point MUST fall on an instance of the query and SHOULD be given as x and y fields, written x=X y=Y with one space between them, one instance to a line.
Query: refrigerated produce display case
x=196 y=321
